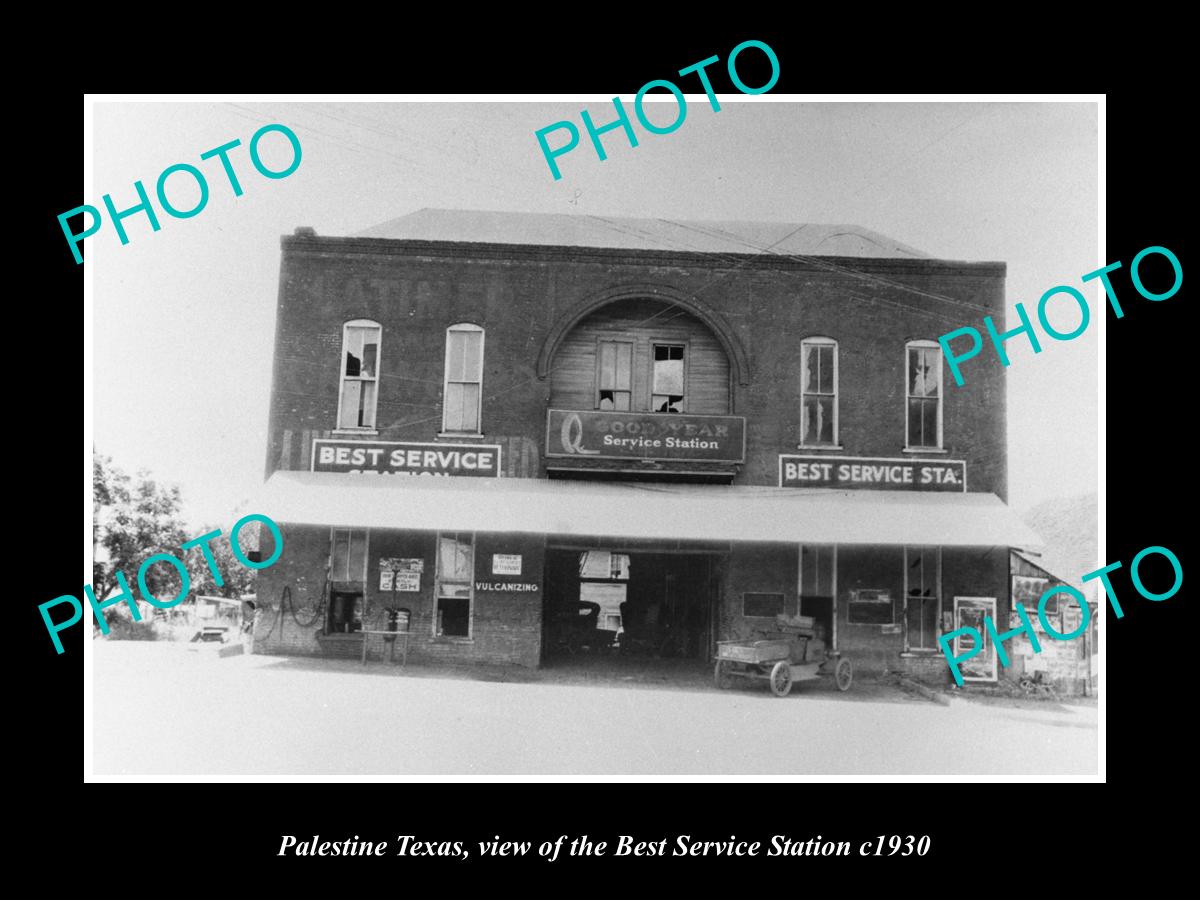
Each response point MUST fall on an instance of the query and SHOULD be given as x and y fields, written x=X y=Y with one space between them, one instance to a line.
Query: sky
x=184 y=317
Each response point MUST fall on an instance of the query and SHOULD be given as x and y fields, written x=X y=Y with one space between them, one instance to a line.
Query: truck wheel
x=781 y=678
x=843 y=675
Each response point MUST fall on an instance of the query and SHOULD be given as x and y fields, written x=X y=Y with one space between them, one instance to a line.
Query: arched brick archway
x=713 y=320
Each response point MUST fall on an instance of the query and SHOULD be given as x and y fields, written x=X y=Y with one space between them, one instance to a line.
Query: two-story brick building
x=672 y=431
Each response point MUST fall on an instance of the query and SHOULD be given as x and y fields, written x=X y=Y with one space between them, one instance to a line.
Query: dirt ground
x=162 y=709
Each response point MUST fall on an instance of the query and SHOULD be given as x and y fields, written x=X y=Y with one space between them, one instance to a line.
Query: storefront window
x=456 y=568
x=347 y=577
x=818 y=585
x=922 y=597
x=870 y=606
x=667 y=377
x=924 y=394
x=360 y=374
x=614 y=378
x=818 y=389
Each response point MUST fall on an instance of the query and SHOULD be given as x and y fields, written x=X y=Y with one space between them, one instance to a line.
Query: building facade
x=643 y=434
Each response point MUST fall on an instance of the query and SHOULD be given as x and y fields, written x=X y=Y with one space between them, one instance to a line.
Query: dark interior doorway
x=614 y=604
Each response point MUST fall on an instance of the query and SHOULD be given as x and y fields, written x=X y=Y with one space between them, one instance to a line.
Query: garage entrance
x=614 y=603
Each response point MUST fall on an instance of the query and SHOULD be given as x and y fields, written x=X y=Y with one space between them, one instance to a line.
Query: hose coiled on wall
x=285 y=601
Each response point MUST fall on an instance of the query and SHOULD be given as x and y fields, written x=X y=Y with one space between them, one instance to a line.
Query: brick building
x=653 y=433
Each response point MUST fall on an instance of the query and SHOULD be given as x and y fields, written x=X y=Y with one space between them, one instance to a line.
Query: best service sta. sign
x=865 y=473
x=392 y=458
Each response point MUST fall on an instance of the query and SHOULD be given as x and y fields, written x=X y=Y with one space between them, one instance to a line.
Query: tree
x=133 y=519
x=237 y=578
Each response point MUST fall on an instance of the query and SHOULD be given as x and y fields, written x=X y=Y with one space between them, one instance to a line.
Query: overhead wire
x=736 y=262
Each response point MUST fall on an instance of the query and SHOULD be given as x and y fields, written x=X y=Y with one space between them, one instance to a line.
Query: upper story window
x=360 y=374
x=614 y=375
x=923 y=389
x=819 y=392
x=464 y=379
x=667 y=377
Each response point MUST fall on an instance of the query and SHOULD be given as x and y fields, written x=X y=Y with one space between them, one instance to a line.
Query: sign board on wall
x=870 y=473
x=602 y=434
x=506 y=564
x=396 y=458
x=406 y=573
x=404 y=581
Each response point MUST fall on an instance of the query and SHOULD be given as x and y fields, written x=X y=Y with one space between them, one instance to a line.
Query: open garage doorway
x=613 y=604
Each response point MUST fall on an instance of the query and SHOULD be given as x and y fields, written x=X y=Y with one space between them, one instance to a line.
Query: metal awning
x=644 y=510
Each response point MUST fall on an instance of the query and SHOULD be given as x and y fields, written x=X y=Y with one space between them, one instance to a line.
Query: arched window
x=463 y=388
x=359 y=375
x=818 y=392
x=923 y=395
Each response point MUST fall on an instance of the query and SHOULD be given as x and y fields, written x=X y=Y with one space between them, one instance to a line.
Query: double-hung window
x=667 y=377
x=347 y=580
x=922 y=597
x=463 y=388
x=359 y=375
x=819 y=392
x=455 y=574
x=923 y=395
x=614 y=375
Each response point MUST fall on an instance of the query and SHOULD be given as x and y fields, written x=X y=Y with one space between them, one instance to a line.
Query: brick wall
x=759 y=568
x=519 y=295
x=506 y=625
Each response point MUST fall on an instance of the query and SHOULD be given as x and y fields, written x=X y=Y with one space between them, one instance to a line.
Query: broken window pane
x=923 y=365
x=924 y=402
x=370 y=351
x=668 y=370
x=454 y=557
x=819 y=393
x=615 y=376
x=360 y=351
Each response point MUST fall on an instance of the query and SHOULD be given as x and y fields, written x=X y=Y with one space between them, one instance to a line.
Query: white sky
x=184 y=317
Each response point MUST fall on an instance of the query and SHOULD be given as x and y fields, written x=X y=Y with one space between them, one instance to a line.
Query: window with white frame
x=463 y=389
x=359 y=375
x=922 y=597
x=923 y=394
x=347 y=580
x=455 y=576
x=818 y=392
